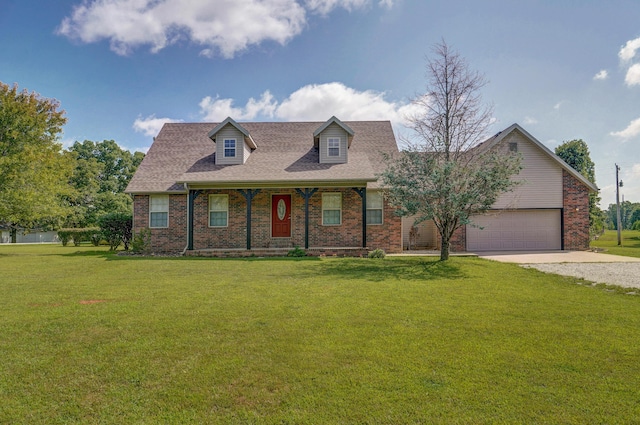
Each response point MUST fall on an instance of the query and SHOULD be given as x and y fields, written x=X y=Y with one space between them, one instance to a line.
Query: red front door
x=281 y=216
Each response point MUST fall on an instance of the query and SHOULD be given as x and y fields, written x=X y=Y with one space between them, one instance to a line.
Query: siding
x=427 y=234
x=333 y=130
x=542 y=186
x=229 y=132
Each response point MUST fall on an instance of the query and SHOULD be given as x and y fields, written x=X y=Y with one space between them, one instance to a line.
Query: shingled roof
x=286 y=156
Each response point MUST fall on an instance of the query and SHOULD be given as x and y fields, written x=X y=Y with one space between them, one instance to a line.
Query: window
x=218 y=210
x=513 y=147
x=374 y=207
x=159 y=211
x=331 y=209
x=229 y=148
x=333 y=146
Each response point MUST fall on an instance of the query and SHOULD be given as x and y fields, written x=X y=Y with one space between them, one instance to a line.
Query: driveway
x=590 y=266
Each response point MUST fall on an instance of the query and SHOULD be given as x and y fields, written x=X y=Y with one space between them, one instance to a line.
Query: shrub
x=141 y=241
x=377 y=253
x=116 y=229
x=297 y=252
x=636 y=225
x=79 y=235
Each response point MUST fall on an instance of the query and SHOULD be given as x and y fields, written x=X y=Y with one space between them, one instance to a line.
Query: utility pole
x=619 y=221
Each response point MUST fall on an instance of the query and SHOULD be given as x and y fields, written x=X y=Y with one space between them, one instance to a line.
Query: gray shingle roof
x=183 y=153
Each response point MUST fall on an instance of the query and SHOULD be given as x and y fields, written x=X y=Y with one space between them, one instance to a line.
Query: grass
x=609 y=242
x=89 y=337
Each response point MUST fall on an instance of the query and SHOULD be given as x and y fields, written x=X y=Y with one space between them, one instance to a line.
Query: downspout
x=186 y=187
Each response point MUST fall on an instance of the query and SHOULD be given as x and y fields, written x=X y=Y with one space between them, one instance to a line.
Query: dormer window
x=229 y=148
x=333 y=146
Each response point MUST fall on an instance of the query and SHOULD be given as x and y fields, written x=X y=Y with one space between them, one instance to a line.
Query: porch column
x=362 y=191
x=306 y=194
x=193 y=194
x=249 y=194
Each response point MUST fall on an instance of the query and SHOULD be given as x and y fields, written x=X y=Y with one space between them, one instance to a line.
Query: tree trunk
x=444 y=249
x=14 y=236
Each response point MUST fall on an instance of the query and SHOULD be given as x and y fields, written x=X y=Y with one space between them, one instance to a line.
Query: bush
x=636 y=225
x=116 y=229
x=297 y=252
x=377 y=253
x=79 y=235
x=141 y=241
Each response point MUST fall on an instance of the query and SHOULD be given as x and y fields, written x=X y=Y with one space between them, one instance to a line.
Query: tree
x=102 y=172
x=445 y=174
x=33 y=169
x=576 y=154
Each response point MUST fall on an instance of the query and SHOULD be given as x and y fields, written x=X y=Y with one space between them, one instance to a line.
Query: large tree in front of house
x=446 y=174
x=34 y=171
x=576 y=154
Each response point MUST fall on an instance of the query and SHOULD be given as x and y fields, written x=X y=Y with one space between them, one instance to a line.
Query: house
x=255 y=188
x=549 y=210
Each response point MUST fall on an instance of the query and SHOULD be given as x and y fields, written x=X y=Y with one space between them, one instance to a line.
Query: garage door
x=521 y=230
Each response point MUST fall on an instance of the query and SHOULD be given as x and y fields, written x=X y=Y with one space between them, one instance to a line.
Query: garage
x=520 y=230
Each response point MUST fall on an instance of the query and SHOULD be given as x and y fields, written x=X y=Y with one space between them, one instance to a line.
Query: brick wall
x=348 y=234
x=575 y=213
x=170 y=239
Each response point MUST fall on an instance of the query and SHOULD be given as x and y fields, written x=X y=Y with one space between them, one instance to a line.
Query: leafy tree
x=576 y=154
x=102 y=173
x=629 y=214
x=446 y=175
x=33 y=169
x=116 y=229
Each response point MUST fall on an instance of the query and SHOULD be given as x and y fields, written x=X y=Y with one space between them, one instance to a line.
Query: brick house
x=549 y=210
x=265 y=187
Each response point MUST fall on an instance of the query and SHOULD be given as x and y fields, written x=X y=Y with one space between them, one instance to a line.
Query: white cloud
x=530 y=121
x=151 y=125
x=558 y=105
x=628 y=51
x=602 y=75
x=632 y=130
x=633 y=75
x=223 y=27
x=314 y=102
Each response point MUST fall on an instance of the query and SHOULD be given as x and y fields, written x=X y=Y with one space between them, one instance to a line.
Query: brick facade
x=575 y=213
x=348 y=234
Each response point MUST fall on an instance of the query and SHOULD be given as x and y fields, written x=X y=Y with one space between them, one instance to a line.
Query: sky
x=562 y=69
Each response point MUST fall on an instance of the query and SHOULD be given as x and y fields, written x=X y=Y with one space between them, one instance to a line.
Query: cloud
x=633 y=75
x=223 y=27
x=558 y=105
x=314 y=102
x=632 y=130
x=151 y=125
x=628 y=51
x=602 y=75
x=530 y=121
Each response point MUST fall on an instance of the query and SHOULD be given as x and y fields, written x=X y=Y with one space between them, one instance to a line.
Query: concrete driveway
x=540 y=257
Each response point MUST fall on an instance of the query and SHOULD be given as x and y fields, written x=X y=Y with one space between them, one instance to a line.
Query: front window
x=374 y=207
x=159 y=211
x=218 y=210
x=333 y=146
x=331 y=209
x=229 y=148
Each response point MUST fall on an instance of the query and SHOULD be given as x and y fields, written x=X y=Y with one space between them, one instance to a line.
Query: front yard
x=89 y=337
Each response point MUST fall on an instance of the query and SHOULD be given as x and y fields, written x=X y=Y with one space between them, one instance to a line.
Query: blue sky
x=120 y=68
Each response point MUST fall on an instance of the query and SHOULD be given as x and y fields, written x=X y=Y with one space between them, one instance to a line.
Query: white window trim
x=328 y=209
x=329 y=139
x=210 y=210
x=235 y=148
x=369 y=193
x=158 y=211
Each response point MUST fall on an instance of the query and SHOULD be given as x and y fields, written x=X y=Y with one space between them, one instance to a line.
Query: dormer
x=233 y=142
x=333 y=140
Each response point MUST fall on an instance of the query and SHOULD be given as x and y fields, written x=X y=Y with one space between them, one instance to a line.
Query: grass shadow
x=410 y=269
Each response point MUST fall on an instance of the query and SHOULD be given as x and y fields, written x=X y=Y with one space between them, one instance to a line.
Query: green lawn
x=88 y=337
x=609 y=242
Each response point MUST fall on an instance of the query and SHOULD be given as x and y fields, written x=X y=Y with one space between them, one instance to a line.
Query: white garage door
x=521 y=230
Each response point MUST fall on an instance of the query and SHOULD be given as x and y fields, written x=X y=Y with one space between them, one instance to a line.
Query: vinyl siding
x=541 y=176
x=229 y=132
x=333 y=130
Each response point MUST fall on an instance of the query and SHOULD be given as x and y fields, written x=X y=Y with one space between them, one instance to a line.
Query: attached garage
x=518 y=230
